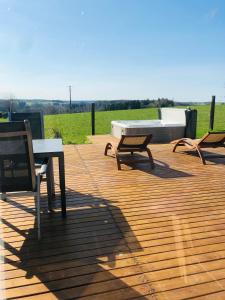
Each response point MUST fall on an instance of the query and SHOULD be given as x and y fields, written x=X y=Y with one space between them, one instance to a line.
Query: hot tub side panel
x=159 y=134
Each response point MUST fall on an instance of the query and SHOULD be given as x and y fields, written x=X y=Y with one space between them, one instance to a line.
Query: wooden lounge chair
x=131 y=144
x=209 y=140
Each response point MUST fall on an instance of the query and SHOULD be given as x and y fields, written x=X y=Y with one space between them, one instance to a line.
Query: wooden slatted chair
x=131 y=144
x=209 y=140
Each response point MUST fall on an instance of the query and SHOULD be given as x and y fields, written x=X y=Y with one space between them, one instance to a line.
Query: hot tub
x=171 y=126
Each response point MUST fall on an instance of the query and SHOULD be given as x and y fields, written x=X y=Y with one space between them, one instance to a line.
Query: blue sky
x=112 y=49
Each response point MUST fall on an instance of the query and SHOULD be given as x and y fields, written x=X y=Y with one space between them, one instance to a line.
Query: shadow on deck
x=131 y=234
x=77 y=257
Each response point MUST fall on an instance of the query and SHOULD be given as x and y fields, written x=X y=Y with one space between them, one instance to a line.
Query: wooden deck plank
x=131 y=234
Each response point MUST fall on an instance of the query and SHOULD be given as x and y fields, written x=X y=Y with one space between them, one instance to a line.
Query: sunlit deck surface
x=130 y=234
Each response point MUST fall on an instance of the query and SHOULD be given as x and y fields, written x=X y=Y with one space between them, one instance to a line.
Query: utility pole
x=70 y=98
x=10 y=106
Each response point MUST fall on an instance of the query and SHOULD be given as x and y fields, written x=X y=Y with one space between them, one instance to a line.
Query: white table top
x=47 y=146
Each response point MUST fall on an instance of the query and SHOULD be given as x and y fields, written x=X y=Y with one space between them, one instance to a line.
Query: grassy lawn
x=75 y=127
x=203 y=118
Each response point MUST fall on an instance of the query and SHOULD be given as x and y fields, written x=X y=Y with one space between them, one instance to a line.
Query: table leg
x=51 y=170
x=62 y=183
x=50 y=175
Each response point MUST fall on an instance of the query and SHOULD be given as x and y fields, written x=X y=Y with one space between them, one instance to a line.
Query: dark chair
x=131 y=144
x=17 y=169
x=37 y=129
x=36 y=122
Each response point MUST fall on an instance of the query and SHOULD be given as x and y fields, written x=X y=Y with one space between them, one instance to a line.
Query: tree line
x=59 y=107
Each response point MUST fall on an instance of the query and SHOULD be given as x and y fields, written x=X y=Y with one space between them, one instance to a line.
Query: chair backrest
x=134 y=141
x=36 y=122
x=17 y=172
x=213 y=138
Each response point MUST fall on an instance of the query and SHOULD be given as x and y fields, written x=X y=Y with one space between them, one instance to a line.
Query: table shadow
x=82 y=255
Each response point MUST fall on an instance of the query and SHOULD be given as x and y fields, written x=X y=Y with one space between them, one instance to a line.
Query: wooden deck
x=130 y=234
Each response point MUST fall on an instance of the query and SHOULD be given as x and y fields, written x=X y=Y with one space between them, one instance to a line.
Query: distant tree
x=163 y=102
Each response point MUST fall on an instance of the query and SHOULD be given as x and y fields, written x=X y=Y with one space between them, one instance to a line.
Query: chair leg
x=175 y=146
x=38 y=209
x=118 y=160
x=150 y=158
x=200 y=155
x=107 y=147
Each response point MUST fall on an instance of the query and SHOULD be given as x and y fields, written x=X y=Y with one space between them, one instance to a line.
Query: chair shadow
x=162 y=169
x=82 y=255
x=215 y=158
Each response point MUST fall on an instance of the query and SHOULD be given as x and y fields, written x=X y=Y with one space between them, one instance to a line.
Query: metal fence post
x=93 y=118
x=212 y=113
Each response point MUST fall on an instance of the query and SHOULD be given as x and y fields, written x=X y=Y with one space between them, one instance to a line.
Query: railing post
x=212 y=113
x=93 y=118
x=159 y=114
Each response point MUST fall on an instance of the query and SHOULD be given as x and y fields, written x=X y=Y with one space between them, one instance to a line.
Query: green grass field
x=203 y=118
x=75 y=128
